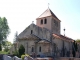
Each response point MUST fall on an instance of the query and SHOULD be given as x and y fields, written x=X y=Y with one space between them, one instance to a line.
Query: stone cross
x=32 y=22
x=48 y=5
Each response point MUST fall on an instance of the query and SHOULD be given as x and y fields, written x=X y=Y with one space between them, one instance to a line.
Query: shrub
x=6 y=49
x=22 y=56
x=21 y=50
x=3 y=52
x=0 y=47
x=15 y=53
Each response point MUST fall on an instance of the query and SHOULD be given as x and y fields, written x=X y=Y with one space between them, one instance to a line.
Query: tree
x=74 y=48
x=15 y=37
x=78 y=40
x=6 y=45
x=0 y=48
x=21 y=50
x=4 y=29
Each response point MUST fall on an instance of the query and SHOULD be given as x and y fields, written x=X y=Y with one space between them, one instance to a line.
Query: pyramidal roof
x=46 y=13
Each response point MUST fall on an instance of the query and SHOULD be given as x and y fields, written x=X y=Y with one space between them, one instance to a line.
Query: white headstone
x=6 y=57
x=25 y=58
x=16 y=58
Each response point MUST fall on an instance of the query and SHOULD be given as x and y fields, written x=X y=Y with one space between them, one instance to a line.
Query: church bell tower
x=48 y=20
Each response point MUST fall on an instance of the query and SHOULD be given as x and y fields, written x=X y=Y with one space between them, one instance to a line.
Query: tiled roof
x=46 y=13
x=63 y=37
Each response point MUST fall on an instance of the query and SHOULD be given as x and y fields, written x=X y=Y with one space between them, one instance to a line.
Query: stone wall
x=40 y=32
x=67 y=58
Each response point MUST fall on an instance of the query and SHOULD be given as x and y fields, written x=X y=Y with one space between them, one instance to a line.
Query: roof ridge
x=46 y=13
x=43 y=13
x=63 y=36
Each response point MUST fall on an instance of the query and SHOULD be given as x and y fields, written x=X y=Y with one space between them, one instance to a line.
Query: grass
x=3 y=52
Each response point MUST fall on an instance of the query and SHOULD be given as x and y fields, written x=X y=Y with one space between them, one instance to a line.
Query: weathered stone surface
x=41 y=39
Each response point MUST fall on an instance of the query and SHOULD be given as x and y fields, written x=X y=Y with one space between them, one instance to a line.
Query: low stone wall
x=43 y=59
x=6 y=57
x=67 y=58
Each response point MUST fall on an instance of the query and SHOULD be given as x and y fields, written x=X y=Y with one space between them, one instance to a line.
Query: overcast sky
x=21 y=13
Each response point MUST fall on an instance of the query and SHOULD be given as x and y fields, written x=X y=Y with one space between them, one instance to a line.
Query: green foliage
x=6 y=49
x=21 y=50
x=74 y=48
x=3 y=52
x=22 y=56
x=15 y=37
x=0 y=47
x=6 y=45
x=4 y=29
x=78 y=40
x=16 y=53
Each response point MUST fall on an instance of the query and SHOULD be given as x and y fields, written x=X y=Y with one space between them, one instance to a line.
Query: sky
x=21 y=13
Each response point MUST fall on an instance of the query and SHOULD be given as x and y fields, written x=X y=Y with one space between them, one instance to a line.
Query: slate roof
x=46 y=13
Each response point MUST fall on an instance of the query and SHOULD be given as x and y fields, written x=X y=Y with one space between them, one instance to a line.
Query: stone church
x=44 y=38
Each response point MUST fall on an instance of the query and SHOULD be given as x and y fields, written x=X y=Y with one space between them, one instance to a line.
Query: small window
x=40 y=49
x=56 y=23
x=32 y=50
x=45 y=21
x=31 y=31
x=41 y=21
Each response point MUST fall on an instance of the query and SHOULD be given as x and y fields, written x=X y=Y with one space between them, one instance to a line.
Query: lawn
x=3 y=52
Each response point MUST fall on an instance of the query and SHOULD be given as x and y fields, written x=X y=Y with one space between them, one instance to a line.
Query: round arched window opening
x=40 y=49
x=31 y=31
x=45 y=21
x=32 y=50
x=41 y=21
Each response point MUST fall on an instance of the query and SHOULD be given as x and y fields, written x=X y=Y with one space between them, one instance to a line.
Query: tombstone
x=77 y=54
x=58 y=54
x=1 y=56
x=42 y=55
x=9 y=58
x=71 y=55
x=34 y=55
x=6 y=57
x=28 y=58
x=25 y=58
x=68 y=54
x=16 y=58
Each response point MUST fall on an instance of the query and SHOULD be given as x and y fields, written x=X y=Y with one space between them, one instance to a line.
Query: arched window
x=41 y=21
x=56 y=23
x=32 y=50
x=31 y=31
x=45 y=21
x=40 y=49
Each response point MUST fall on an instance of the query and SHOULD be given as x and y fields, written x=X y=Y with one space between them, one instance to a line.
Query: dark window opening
x=45 y=21
x=40 y=49
x=41 y=21
x=32 y=50
x=56 y=23
x=31 y=31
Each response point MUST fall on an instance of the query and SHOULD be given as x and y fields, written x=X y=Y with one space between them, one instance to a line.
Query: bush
x=15 y=53
x=22 y=56
x=21 y=50
x=6 y=49
x=0 y=47
x=3 y=52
